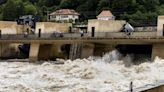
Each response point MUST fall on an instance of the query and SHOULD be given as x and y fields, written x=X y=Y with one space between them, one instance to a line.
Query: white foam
x=106 y=74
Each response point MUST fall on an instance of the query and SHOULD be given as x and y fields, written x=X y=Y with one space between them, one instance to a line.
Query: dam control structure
x=95 y=39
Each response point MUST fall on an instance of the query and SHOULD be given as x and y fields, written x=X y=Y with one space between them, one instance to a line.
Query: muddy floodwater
x=81 y=75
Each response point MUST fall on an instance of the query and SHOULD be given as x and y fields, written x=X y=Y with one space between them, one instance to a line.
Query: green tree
x=30 y=9
x=3 y=1
x=65 y=4
x=149 y=5
x=88 y=9
x=19 y=8
x=160 y=10
x=161 y=1
x=72 y=4
x=130 y=10
x=103 y=4
x=12 y=10
x=33 y=1
x=121 y=6
x=9 y=11
x=48 y=3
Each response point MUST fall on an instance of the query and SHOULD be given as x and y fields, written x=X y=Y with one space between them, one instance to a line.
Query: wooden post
x=70 y=30
x=39 y=35
x=93 y=32
x=0 y=33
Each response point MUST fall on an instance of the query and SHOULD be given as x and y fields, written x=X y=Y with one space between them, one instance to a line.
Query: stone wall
x=50 y=27
x=106 y=26
x=9 y=27
x=160 y=26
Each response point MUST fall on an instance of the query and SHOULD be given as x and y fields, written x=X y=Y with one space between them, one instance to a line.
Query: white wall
x=9 y=31
x=51 y=27
x=8 y=27
x=62 y=18
x=106 y=18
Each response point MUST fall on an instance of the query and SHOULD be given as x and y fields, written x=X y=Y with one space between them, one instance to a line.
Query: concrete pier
x=34 y=51
x=84 y=51
x=101 y=49
x=157 y=50
x=160 y=26
x=45 y=51
x=87 y=50
x=51 y=52
x=156 y=87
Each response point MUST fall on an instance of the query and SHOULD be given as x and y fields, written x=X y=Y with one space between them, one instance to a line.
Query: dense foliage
x=137 y=12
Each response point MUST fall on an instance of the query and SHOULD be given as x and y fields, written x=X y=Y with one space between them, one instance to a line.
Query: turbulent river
x=105 y=74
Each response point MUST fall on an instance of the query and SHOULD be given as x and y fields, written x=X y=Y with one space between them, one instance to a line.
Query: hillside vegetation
x=137 y=12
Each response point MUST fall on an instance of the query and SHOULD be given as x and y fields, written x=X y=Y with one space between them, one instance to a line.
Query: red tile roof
x=64 y=12
x=105 y=13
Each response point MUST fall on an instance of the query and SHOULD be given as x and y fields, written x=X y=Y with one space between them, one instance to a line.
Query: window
x=53 y=16
x=64 y=16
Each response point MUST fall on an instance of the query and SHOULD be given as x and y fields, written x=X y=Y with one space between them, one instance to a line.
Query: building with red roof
x=64 y=15
x=106 y=15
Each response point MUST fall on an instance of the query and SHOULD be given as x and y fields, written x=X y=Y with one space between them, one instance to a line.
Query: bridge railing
x=77 y=35
x=17 y=36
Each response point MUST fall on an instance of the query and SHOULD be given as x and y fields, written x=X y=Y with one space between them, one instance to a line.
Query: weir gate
x=83 y=46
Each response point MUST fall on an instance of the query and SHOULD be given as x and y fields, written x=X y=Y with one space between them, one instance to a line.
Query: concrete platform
x=156 y=87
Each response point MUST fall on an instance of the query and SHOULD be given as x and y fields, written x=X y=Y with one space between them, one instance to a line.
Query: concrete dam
x=98 y=37
x=83 y=47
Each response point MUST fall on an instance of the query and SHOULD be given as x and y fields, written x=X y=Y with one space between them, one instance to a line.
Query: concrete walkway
x=156 y=87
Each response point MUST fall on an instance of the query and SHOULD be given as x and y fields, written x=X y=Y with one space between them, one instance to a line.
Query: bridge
x=71 y=40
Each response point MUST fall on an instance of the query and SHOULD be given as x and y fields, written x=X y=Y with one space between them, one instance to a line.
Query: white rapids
x=106 y=74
